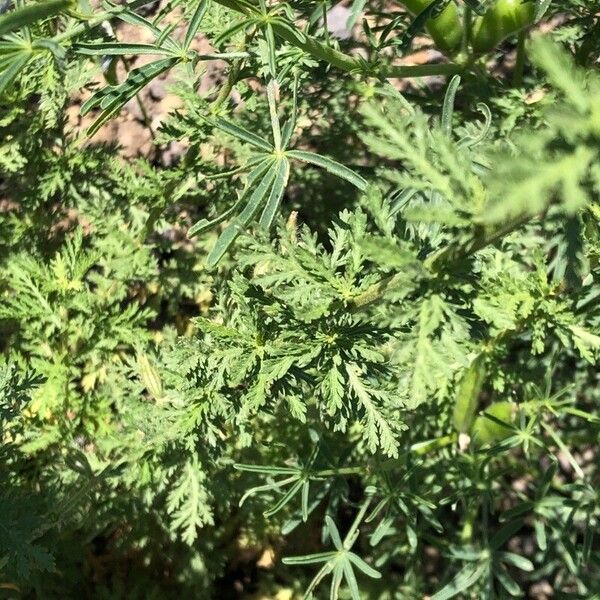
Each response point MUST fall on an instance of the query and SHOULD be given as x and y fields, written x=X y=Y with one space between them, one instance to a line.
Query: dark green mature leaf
x=243 y=134
x=195 y=23
x=11 y=66
x=239 y=223
x=279 y=185
x=331 y=166
x=467 y=577
x=24 y=16
x=111 y=99
x=355 y=12
x=121 y=49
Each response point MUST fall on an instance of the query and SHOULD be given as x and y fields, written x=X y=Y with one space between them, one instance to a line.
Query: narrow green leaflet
x=112 y=99
x=272 y=90
x=297 y=478
x=281 y=179
x=195 y=23
x=121 y=49
x=236 y=27
x=239 y=223
x=294 y=489
x=340 y=563
x=331 y=166
x=361 y=565
x=448 y=106
x=265 y=470
x=355 y=12
x=243 y=134
x=271 y=49
x=133 y=18
x=205 y=225
x=309 y=559
x=468 y=576
x=467 y=395
x=10 y=67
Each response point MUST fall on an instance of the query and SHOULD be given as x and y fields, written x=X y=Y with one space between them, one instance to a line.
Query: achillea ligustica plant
x=344 y=345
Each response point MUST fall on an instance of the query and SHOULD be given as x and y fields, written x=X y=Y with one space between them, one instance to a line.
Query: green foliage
x=342 y=308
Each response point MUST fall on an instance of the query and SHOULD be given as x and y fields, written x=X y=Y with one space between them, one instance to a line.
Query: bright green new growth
x=340 y=308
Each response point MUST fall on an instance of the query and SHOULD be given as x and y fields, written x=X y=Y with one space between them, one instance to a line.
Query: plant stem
x=439 y=261
x=342 y=61
x=353 y=531
x=145 y=117
x=232 y=77
x=325 y=24
x=517 y=79
x=226 y=88
x=341 y=471
x=94 y=22
x=466 y=534
x=441 y=442
x=401 y=71
x=297 y=38
x=82 y=27
x=146 y=120
x=467 y=29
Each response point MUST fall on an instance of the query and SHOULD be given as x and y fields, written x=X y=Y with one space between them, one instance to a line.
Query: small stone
x=463 y=442
x=337 y=19
x=157 y=89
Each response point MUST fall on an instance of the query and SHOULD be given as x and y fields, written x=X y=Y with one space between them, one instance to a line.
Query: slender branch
x=226 y=88
x=439 y=261
x=87 y=25
x=459 y=250
x=401 y=71
x=97 y=20
x=422 y=448
x=517 y=79
x=341 y=471
x=467 y=28
x=342 y=61
x=232 y=77
x=296 y=38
